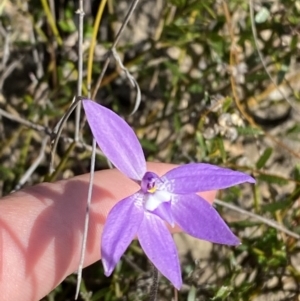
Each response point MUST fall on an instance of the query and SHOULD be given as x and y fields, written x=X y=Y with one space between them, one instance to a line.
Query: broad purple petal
x=116 y=139
x=196 y=177
x=159 y=246
x=120 y=229
x=198 y=218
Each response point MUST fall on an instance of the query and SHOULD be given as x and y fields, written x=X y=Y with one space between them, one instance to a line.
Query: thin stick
x=6 y=50
x=58 y=129
x=131 y=79
x=92 y=169
x=81 y=144
x=116 y=41
x=254 y=33
x=33 y=166
x=154 y=286
x=80 y=13
x=8 y=70
x=47 y=131
x=87 y=219
x=236 y=98
x=35 y=55
x=62 y=162
x=259 y=218
x=34 y=126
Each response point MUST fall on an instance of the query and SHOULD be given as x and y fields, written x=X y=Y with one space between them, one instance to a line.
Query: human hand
x=41 y=230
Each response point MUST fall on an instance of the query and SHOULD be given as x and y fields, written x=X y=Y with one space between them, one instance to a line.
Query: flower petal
x=159 y=246
x=120 y=229
x=116 y=139
x=165 y=213
x=198 y=218
x=196 y=177
x=153 y=200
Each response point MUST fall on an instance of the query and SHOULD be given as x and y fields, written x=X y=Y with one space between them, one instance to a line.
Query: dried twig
x=87 y=219
x=80 y=13
x=261 y=57
x=8 y=70
x=85 y=232
x=257 y=217
x=34 y=126
x=116 y=41
x=154 y=286
x=6 y=50
x=46 y=130
x=131 y=79
x=33 y=166
x=57 y=132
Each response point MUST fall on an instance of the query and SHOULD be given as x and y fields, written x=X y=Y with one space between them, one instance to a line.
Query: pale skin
x=41 y=230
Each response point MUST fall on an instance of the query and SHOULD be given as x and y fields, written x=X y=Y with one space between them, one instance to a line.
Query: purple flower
x=168 y=199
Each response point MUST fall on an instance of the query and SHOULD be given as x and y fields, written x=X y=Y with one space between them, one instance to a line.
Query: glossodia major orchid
x=168 y=199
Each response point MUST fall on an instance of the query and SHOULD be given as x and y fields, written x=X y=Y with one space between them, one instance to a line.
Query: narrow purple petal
x=198 y=218
x=120 y=229
x=159 y=246
x=164 y=212
x=116 y=139
x=196 y=177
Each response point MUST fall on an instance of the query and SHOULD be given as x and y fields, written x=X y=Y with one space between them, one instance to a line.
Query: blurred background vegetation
x=219 y=83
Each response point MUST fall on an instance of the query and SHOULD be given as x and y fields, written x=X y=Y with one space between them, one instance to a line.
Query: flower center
x=152 y=189
x=149 y=182
x=153 y=196
x=156 y=199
